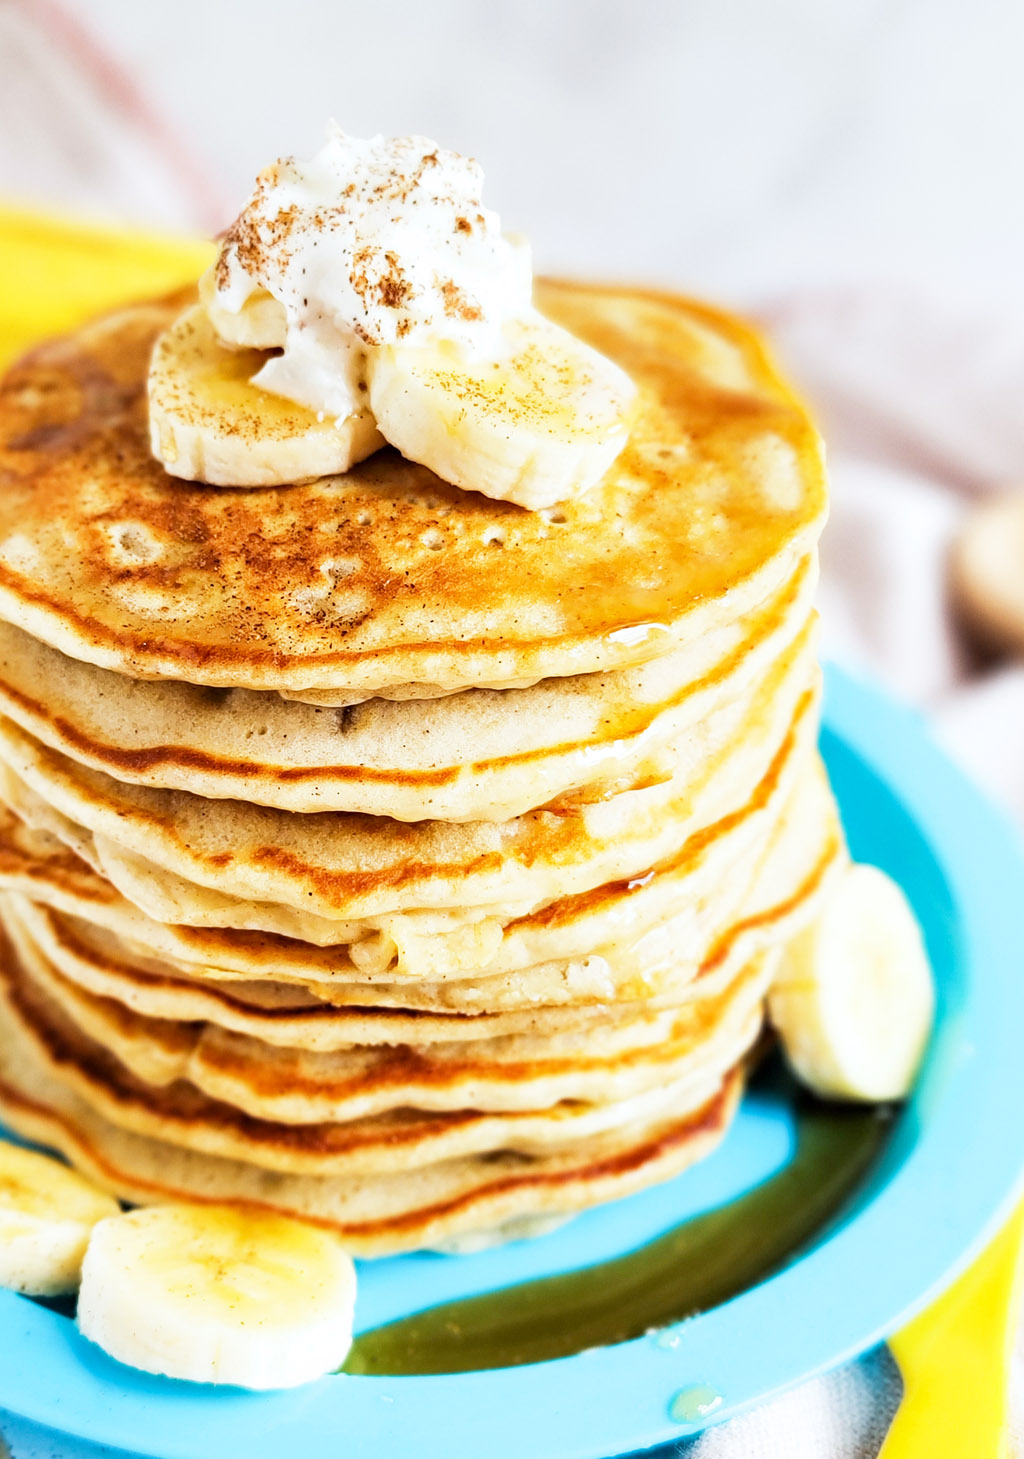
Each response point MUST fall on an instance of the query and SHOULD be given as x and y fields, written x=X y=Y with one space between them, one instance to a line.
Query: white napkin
x=919 y=401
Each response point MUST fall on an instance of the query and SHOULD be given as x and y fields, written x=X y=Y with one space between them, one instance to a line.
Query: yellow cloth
x=57 y=273
x=955 y=1361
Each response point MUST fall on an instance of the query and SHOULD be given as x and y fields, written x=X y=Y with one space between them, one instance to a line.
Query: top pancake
x=386 y=580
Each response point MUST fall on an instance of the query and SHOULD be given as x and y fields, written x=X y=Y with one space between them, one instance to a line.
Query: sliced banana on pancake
x=209 y=423
x=537 y=423
x=47 y=1213
x=218 y=1294
x=853 y=998
x=260 y=324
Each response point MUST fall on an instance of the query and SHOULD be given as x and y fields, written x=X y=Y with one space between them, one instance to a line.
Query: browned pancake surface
x=387 y=576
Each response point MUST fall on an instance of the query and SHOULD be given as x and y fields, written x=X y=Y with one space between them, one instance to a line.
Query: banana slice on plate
x=537 y=424
x=218 y=1294
x=47 y=1213
x=853 y=1000
x=208 y=422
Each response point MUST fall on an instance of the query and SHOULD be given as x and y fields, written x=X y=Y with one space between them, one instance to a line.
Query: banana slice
x=260 y=324
x=853 y=998
x=539 y=424
x=208 y=422
x=218 y=1294
x=47 y=1213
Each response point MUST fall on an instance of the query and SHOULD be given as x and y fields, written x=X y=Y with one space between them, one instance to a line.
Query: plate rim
x=545 y=1409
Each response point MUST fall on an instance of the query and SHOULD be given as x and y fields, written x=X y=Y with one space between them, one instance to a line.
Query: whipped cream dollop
x=369 y=243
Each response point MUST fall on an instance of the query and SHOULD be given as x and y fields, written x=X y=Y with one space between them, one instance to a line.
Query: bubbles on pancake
x=429 y=502
x=590 y=977
x=277 y=526
x=327 y=601
x=494 y=537
x=153 y=600
x=132 y=544
x=20 y=552
x=335 y=570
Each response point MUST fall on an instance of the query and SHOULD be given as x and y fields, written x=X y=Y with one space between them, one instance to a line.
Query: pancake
x=387 y=579
x=92 y=962
x=182 y=1111
x=631 y=1049
x=479 y=755
x=375 y=1216
x=349 y=867
x=795 y=872
x=546 y=956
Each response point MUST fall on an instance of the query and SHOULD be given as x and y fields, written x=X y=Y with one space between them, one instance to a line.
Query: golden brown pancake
x=350 y=867
x=387 y=577
x=375 y=1217
x=483 y=754
x=179 y=1106
x=656 y=973
x=669 y=903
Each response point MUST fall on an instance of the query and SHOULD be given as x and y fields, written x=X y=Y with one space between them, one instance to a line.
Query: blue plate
x=947 y=1176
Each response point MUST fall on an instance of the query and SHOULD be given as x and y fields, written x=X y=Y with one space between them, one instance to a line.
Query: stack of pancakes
x=385 y=854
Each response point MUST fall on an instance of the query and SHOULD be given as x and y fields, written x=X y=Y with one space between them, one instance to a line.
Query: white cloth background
x=846 y=172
